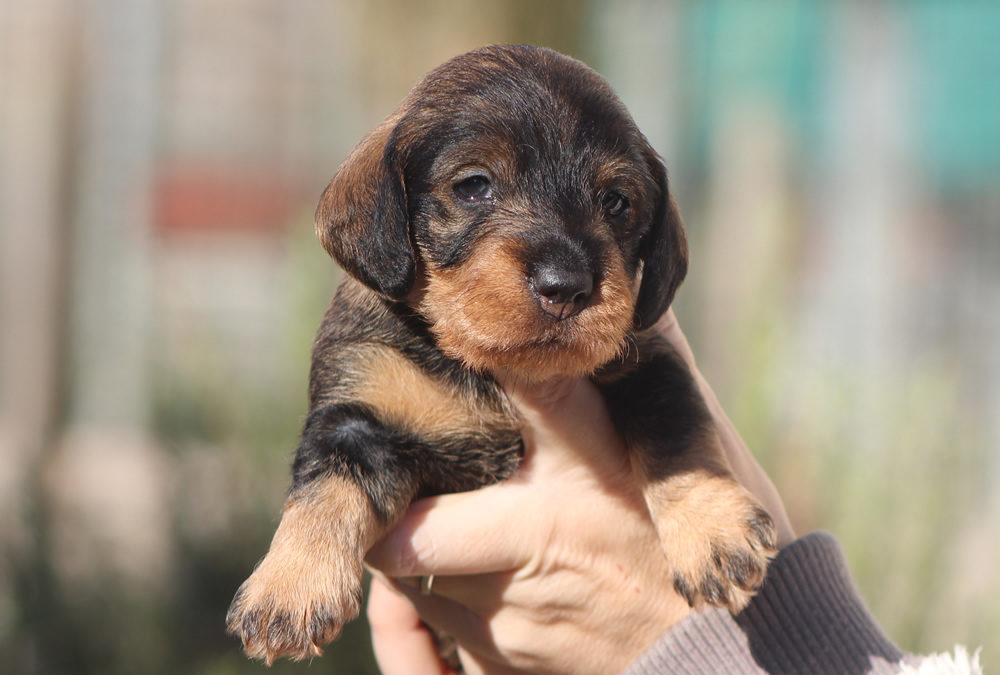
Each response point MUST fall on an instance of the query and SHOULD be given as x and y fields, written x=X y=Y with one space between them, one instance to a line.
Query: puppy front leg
x=716 y=536
x=351 y=483
x=309 y=583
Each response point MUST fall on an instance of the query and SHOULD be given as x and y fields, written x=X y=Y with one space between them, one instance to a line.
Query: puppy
x=508 y=219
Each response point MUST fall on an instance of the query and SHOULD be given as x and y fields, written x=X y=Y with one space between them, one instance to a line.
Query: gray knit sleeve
x=808 y=618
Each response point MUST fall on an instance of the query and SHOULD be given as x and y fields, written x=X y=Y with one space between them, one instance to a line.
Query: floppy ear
x=362 y=217
x=664 y=254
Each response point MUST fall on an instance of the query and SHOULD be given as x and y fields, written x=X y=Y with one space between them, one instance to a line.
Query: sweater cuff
x=807 y=618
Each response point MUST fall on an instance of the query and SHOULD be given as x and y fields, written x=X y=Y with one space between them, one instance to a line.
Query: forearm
x=808 y=618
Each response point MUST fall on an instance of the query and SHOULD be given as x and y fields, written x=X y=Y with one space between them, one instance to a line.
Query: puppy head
x=514 y=204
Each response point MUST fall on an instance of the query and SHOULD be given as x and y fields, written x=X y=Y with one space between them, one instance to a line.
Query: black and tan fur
x=508 y=220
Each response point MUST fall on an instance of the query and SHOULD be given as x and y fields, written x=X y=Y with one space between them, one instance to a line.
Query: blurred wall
x=838 y=165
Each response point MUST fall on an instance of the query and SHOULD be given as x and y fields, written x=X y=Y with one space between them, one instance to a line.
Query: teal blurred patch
x=756 y=51
x=956 y=65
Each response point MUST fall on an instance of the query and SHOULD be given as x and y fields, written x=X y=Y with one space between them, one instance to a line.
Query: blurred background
x=838 y=165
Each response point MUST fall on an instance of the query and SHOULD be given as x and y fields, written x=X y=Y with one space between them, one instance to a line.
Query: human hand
x=563 y=554
x=576 y=583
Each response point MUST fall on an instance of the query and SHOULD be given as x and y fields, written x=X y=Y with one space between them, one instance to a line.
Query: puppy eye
x=474 y=187
x=614 y=204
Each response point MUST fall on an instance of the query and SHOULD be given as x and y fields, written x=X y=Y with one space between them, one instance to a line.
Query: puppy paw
x=719 y=541
x=309 y=583
x=294 y=603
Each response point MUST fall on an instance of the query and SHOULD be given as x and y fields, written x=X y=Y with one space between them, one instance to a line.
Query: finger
x=469 y=629
x=482 y=593
x=456 y=534
x=473 y=664
x=401 y=641
x=449 y=618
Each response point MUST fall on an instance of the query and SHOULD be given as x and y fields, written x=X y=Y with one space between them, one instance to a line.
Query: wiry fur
x=451 y=285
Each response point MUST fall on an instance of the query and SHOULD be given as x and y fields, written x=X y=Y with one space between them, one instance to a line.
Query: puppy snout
x=562 y=291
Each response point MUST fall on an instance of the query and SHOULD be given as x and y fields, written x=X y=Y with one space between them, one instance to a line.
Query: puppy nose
x=562 y=292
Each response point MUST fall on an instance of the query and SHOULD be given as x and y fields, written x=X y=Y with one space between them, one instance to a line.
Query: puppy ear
x=362 y=217
x=664 y=254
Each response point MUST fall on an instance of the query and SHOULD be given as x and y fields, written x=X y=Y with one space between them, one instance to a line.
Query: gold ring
x=426 y=584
